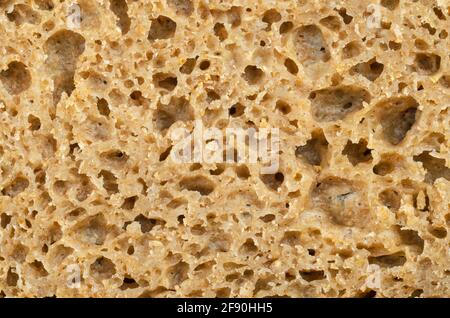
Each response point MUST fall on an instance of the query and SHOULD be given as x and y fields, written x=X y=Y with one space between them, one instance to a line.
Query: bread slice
x=97 y=99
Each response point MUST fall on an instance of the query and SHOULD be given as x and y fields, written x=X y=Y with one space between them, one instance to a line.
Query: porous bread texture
x=360 y=91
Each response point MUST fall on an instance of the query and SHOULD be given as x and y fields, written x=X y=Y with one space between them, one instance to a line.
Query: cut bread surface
x=95 y=97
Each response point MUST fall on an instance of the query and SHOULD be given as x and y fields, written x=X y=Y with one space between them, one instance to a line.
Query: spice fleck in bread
x=102 y=193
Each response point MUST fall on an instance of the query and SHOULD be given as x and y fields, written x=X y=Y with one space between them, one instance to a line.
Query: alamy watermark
x=373 y=21
x=373 y=280
x=235 y=145
x=74 y=16
x=73 y=278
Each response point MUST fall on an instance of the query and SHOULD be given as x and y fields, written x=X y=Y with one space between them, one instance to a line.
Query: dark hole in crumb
x=204 y=65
